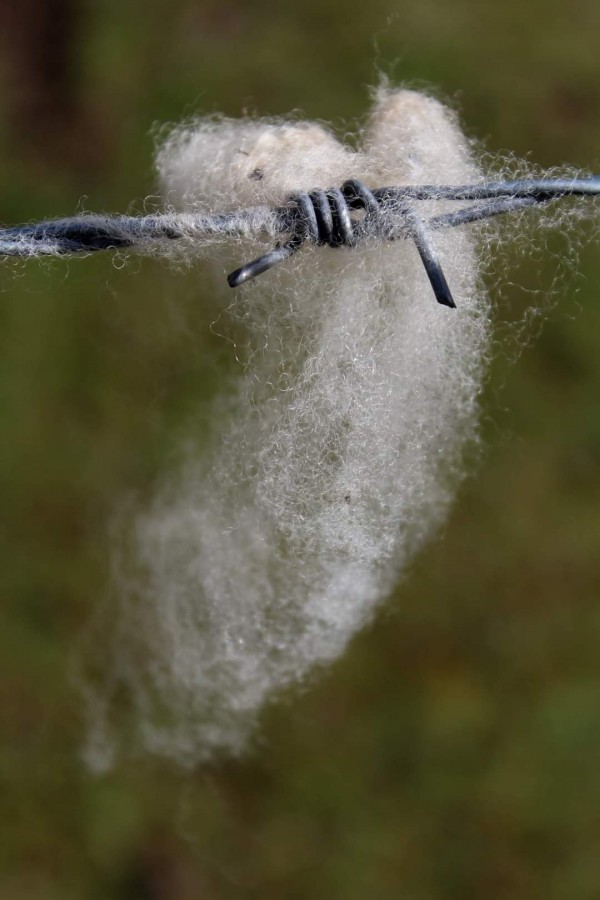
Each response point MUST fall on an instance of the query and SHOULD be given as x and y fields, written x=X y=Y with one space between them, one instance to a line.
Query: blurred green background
x=453 y=752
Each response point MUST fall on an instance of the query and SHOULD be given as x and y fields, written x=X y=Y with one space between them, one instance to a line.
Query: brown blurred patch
x=47 y=117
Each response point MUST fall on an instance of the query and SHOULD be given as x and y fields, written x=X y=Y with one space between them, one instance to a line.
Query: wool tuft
x=341 y=451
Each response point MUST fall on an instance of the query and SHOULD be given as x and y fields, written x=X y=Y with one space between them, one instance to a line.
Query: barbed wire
x=337 y=217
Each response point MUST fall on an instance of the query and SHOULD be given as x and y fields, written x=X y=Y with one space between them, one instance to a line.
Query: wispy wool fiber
x=343 y=446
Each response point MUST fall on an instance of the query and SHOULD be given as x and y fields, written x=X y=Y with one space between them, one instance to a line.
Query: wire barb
x=337 y=217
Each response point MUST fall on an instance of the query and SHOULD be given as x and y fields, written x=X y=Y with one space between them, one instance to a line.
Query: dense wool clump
x=342 y=449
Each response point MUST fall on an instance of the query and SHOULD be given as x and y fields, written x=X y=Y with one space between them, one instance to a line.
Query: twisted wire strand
x=338 y=217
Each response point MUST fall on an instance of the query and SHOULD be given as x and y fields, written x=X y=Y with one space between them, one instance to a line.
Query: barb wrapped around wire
x=338 y=217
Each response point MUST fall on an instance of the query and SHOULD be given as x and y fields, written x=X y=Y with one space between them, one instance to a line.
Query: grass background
x=453 y=751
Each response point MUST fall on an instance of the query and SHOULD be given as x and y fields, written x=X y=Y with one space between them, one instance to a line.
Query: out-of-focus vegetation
x=453 y=752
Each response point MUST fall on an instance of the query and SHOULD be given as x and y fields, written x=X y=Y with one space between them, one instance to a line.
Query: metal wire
x=338 y=217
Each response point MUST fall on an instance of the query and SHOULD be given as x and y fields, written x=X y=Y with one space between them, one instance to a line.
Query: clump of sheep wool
x=342 y=447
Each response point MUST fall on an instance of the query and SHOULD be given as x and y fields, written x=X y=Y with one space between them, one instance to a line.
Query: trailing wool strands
x=260 y=560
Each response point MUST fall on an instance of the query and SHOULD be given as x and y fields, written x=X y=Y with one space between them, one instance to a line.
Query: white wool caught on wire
x=341 y=452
